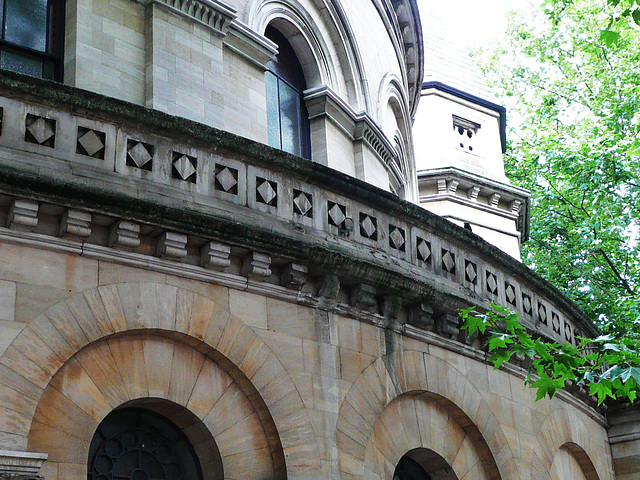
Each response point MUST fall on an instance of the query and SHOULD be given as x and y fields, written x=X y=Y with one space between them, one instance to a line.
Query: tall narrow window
x=31 y=38
x=287 y=117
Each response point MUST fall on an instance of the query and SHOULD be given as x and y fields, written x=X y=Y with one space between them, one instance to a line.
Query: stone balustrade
x=169 y=194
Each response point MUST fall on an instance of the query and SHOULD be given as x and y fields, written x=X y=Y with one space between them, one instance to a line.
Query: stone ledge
x=39 y=179
x=20 y=465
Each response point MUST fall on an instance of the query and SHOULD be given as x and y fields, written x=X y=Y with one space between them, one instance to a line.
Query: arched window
x=137 y=444
x=31 y=40
x=408 y=469
x=287 y=117
x=423 y=464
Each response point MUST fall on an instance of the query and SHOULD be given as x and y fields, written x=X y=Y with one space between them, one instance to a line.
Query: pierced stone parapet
x=23 y=215
x=250 y=198
x=172 y=246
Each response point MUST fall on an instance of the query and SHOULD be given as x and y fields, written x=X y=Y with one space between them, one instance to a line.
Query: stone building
x=215 y=261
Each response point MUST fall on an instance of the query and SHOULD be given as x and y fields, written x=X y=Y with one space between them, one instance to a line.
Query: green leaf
x=636 y=16
x=602 y=390
x=547 y=386
x=499 y=341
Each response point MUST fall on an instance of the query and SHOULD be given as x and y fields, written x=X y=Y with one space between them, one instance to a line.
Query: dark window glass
x=27 y=23
x=31 y=39
x=287 y=117
x=408 y=469
x=137 y=444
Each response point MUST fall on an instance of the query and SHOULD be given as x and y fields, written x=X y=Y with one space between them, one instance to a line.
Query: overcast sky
x=472 y=22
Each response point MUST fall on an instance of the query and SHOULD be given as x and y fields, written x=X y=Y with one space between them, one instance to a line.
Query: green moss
x=194 y=221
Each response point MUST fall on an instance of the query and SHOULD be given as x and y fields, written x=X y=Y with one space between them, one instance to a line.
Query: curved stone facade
x=292 y=318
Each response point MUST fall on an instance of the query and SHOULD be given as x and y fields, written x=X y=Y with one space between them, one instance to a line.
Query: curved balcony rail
x=89 y=174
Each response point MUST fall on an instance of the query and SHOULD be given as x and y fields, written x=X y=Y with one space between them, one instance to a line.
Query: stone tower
x=459 y=133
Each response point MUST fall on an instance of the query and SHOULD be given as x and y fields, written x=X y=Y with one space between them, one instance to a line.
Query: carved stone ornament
x=124 y=235
x=447 y=324
x=172 y=246
x=330 y=287
x=215 y=256
x=256 y=266
x=294 y=275
x=422 y=316
x=363 y=296
x=21 y=465
x=23 y=215
x=391 y=306
x=75 y=223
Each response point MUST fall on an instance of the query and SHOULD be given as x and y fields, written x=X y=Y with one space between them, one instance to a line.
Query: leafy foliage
x=570 y=78
x=552 y=365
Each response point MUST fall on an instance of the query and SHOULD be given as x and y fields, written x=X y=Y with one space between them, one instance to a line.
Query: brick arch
x=44 y=346
x=562 y=433
x=435 y=381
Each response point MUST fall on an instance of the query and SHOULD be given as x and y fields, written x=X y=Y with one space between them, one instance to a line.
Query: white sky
x=473 y=23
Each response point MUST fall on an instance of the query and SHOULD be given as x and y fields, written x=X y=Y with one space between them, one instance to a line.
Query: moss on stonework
x=105 y=109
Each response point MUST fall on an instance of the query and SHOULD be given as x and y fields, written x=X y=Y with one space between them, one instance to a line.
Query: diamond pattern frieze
x=302 y=203
x=527 y=306
x=336 y=214
x=266 y=192
x=368 y=226
x=226 y=179
x=448 y=261
x=492 y=283
x=90 y=143
x=140 y=155
x=510 y=293
x=555 y=322
x=542 y=314
x=470 y=272
x=567 y=332
x=184 y=167
x=40 y=130
x=423 y=249
x=397 y=238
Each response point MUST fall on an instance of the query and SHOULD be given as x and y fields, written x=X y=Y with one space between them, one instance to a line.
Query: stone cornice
x=465 y=181
x=246 y=43
x=89 y=186
x=323 y=101
x=16 y=465
x=402 y=20
x=213 y=14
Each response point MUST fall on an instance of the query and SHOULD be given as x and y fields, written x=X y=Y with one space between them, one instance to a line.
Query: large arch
x=33 y=359
x=564 y=443
x=417 y=373
x=226 y=426
x=393 y=101
x=306 y=36
x=412 y=424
